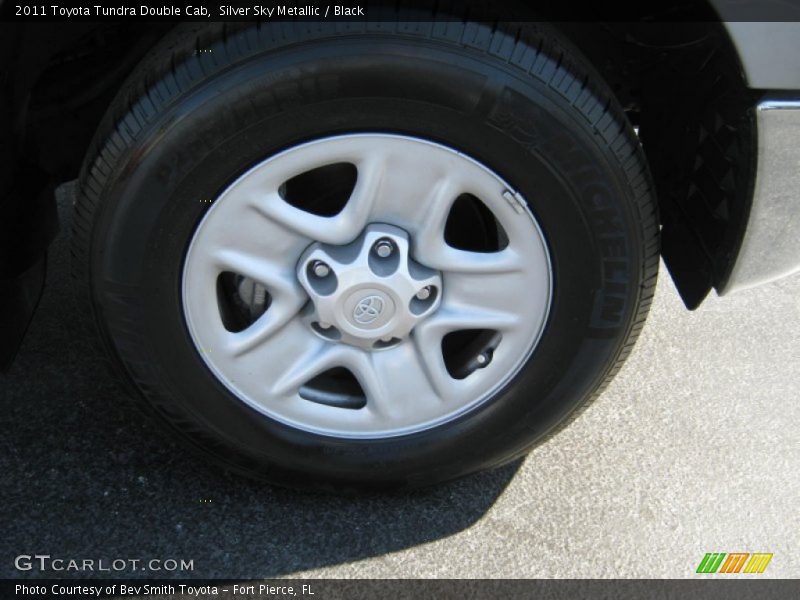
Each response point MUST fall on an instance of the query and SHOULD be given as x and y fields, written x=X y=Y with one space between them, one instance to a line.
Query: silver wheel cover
x=410 y=185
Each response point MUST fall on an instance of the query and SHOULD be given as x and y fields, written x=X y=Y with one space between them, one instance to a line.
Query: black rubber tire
x=519 y=99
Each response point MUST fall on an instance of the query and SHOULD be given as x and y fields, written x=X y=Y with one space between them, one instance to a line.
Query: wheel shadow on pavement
x=85 y=475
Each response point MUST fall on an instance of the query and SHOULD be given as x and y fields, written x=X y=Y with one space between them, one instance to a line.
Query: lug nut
x=384 y=248
x=324 y=325
x=320 y=269
x=482 y=359
x=424 y=293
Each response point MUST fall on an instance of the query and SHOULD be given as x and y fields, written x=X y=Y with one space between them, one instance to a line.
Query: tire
x=519 y=103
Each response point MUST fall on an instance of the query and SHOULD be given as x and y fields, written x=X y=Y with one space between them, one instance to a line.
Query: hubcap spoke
x=287 y=296
x=438 y=255
x=417 y=195
x=253 y=243
x=397 y=385
x=266 y=361
x=277 y=279
x=457 y=318
x=280 y=313
x=316 y=357
x=338 y=229
x=493 y=301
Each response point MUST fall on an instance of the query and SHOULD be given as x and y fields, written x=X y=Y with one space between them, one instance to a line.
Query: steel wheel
x=359 y=317
x=366 y=258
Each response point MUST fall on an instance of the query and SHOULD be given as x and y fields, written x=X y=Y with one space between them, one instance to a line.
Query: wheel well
x=56 y=82
x=683 y=88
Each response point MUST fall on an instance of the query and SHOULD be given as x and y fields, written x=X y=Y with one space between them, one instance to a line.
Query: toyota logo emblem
x=368 y=310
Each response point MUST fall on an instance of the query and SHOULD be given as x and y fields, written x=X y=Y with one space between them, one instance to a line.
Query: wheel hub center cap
x=371 y=309
x=369 y=293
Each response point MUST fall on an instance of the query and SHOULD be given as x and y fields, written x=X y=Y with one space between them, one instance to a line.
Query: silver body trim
x=771 y=245
x=768 y=52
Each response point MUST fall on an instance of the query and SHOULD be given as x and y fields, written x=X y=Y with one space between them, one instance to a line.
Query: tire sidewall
x=517 y=126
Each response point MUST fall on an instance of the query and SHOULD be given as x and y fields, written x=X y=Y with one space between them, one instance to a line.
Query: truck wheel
x=381 y=257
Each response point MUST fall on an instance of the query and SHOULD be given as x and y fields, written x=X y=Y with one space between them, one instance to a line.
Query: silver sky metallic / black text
x=281 y=10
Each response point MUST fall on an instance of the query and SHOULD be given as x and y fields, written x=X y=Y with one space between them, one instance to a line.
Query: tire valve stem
x=479 y=361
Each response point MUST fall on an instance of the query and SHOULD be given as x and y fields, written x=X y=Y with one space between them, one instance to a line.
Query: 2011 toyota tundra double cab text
x=386 y=255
